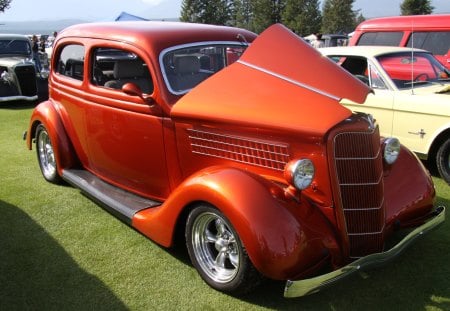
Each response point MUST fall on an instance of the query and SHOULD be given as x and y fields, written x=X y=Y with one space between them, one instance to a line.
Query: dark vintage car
x=18 y=79
x=208 y=131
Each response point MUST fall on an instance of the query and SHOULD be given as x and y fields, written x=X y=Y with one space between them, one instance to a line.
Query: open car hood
x=280 y=82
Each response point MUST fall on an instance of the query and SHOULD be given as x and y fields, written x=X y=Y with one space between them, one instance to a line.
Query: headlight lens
x=391 y=150
x=301 y=173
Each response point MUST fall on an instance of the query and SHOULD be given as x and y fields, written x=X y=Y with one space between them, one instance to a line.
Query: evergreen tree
x=302 y=16
x=189 y=11
x=216 y=12
x=359 y=18
x=4 y=4
x=338 y=16
x=242 y=15
x=416 y=7
x=266 y=13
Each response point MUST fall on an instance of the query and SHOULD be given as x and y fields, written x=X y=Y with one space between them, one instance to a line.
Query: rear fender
x=46 y=114
x=283 y=239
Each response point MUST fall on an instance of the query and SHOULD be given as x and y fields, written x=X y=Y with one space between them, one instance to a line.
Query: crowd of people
x=39 y=47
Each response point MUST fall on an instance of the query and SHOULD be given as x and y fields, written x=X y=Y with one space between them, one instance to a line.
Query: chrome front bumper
x=312 y=285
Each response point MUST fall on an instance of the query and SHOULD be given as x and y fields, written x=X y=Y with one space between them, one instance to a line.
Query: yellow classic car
x=410 y=99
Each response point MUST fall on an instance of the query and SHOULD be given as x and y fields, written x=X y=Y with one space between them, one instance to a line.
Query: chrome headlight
x=300 y=173
x=391 y=150
x=44 y=73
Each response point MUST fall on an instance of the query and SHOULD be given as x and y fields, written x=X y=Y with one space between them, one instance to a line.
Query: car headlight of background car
x=391 y=150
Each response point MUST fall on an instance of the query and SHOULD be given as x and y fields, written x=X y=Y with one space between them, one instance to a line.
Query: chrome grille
x=359 y=169
x=259 y=153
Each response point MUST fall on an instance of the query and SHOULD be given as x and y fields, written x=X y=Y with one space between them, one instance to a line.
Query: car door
x=125 y=132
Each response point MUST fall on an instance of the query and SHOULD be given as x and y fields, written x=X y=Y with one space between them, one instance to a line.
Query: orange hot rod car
x=200 y=128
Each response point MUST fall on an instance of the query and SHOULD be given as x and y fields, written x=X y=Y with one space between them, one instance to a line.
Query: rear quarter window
x=381 y=38
x=437 y=42
x=70 y=62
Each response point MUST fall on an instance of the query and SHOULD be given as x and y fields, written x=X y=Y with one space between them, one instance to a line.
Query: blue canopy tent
x=124 y=16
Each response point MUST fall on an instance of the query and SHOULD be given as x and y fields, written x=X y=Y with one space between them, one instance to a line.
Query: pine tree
x=338 y=16
x=189 y=11
x=4 y=4
x=359 y=18
x=266 y=13
x=302 y=16
x=215 y=12
x=416 y=7
x=242 y=14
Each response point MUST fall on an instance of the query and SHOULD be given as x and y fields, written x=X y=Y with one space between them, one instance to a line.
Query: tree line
x=304 y=17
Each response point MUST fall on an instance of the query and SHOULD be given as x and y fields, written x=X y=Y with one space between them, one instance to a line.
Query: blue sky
x=92 y=10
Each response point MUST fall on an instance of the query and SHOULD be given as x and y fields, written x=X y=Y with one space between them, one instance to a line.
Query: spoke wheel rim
x=216 y=247
x=46 y=155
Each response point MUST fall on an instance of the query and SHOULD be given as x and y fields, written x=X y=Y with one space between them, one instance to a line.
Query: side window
x=186 y=67
x=437 y=43
x=112 y=68
x=376 y=81
x=71 y=61
x=381 y=38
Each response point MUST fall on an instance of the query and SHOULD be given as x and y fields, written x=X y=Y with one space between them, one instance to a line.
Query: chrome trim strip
x=366 y=233
x=313 y=285
x=18 y=97
x=287 y=79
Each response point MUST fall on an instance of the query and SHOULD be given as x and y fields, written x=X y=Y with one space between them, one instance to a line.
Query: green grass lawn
x=61 y=251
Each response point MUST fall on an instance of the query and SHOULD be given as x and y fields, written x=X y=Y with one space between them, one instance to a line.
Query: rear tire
x=443 y=161
x=217 y=252
x=46 y=155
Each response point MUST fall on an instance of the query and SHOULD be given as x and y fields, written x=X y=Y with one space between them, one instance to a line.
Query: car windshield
x=15 y=46
x=416 y=68
x=185 y=67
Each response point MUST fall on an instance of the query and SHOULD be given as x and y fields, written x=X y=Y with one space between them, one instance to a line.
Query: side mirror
x=133 y=89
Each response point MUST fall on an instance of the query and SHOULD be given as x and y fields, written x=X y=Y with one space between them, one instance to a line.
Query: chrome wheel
x=215 y=247
x=217 y=252
x=46 y=155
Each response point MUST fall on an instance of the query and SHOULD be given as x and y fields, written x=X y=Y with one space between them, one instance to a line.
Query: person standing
x=35 y=49
x=318 y=42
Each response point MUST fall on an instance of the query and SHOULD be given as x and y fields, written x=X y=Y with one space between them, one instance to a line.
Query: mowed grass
x=61 y=251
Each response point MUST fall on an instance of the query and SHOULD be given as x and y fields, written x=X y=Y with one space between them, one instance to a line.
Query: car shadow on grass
x=36 y=273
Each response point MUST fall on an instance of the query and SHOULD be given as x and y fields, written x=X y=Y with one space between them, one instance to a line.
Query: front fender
x=283 y=239
x=407 y=198
x=46 y=114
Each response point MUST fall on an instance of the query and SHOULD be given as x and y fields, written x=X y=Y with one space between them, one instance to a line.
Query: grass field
x=61 y=251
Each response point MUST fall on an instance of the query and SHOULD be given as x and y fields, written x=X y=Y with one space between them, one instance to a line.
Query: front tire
x=443 y=161
x=46 y=155
x=217 y=252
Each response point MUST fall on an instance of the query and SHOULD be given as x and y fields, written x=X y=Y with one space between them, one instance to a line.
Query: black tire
x=443 y=161
x=217 y=253
x=46 y=155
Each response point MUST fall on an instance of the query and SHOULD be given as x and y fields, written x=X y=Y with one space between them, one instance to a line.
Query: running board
x=122 y=204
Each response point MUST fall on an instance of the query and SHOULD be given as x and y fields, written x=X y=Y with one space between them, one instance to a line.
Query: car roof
x=13 y=36
x=394 y=23
x=366 y=50
x=157 y=35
